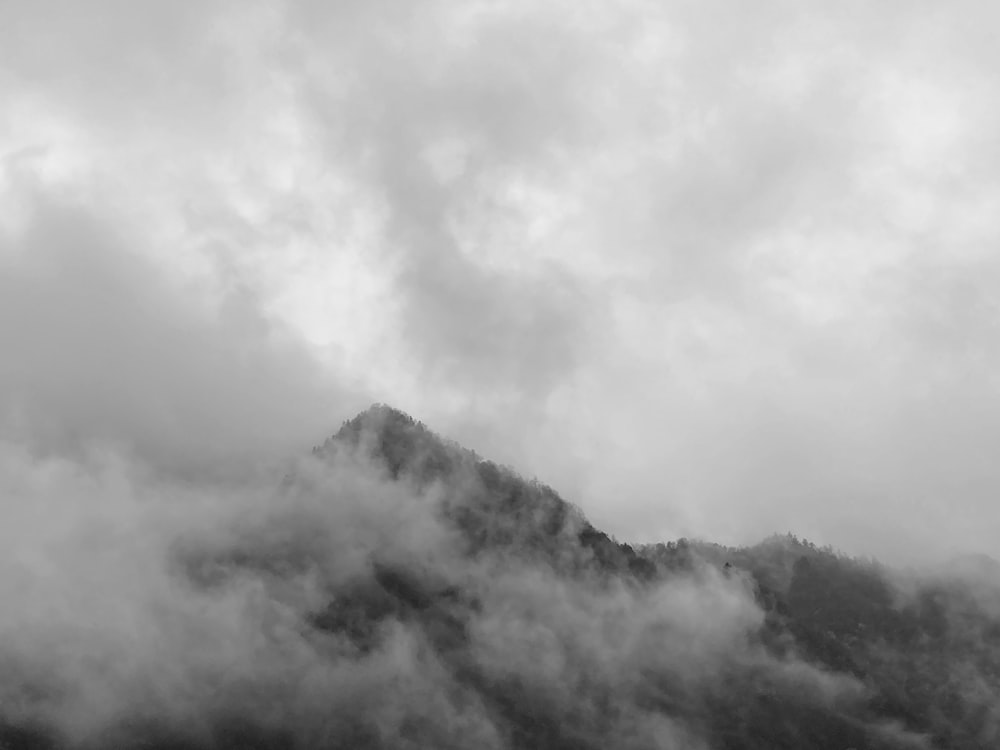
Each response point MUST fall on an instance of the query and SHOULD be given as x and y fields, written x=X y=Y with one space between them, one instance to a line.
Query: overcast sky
x=708 y=268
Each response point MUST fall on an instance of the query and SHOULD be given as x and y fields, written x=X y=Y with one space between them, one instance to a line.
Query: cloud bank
x=709 y=270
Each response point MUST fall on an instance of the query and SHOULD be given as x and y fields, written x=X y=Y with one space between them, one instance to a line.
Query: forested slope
x=399 y=591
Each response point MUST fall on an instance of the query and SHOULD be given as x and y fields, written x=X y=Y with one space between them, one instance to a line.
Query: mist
x=713 y=273
x=150 y=609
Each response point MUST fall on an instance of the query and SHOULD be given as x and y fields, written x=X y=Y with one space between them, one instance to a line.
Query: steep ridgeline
x=492 y=505
x=401 y=592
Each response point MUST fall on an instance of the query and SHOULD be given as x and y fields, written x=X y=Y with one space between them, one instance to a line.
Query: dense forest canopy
x=396 y=590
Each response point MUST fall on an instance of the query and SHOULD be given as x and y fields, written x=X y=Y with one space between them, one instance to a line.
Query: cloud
x=707 y=225
x=710 y=271
x=102 y=347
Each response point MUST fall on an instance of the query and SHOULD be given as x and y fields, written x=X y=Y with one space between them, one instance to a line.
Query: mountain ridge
x=401 y=591
x=824 y=601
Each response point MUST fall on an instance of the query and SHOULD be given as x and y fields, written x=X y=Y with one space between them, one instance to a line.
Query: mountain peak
x=379 y=413
x=397 y=440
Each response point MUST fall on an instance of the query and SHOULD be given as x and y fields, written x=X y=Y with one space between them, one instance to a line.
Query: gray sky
x=711 y=269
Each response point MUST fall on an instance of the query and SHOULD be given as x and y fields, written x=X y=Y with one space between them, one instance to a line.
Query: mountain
x=492 y=505
x=400 y=591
